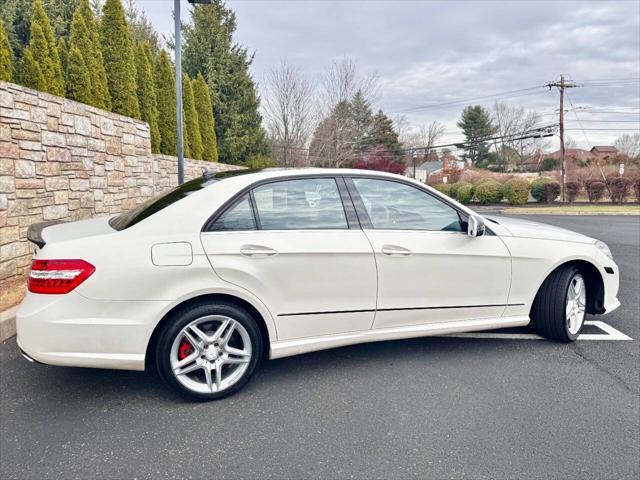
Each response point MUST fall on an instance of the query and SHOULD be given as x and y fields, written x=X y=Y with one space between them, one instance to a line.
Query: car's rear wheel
x=559 y=308
x=209 y=351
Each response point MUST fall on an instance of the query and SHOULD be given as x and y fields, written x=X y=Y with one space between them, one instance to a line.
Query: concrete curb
x=579 y=212
x=8 y=323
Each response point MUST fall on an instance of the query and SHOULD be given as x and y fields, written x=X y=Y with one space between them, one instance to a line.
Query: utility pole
x=562 y=85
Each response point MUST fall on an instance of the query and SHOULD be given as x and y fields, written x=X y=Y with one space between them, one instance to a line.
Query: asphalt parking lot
x=423 y=408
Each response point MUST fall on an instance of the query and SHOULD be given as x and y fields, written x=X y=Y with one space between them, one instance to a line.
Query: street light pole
x=178 y=62
x=415 y=157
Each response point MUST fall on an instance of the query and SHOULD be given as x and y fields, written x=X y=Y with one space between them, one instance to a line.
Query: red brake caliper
x=185 y=349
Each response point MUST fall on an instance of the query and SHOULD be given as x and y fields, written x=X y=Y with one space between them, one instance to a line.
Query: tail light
x=58 y=276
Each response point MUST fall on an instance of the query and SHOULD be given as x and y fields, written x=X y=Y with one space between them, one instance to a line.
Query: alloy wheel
x=575 y=305
x=211 y=354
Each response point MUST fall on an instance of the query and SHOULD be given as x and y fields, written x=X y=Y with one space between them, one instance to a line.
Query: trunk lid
x=54 y=231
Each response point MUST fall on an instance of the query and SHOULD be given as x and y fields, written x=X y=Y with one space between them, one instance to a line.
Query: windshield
x=155 y=204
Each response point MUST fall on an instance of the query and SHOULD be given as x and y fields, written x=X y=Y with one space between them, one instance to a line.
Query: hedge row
x=516 y=190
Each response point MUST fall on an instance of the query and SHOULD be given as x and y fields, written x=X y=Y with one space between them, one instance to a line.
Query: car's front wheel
x=209 y=350
x=559 y=308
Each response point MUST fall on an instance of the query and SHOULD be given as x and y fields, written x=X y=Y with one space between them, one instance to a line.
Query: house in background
x=578 y=155
x=604 y=151
x=433 y=164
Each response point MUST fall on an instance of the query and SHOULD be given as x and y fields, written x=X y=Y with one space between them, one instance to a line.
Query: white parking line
x=610 y=334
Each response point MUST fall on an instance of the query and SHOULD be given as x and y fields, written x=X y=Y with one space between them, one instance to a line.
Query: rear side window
x=154 y=205
x=238 y=217
x=305 y=204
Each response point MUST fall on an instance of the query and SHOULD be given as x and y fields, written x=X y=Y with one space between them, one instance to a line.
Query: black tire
x=549 y=307
x=182 y=318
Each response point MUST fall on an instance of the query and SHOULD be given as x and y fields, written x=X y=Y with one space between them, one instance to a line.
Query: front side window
x=238 y=217
x=397 y=206
x=305 y=204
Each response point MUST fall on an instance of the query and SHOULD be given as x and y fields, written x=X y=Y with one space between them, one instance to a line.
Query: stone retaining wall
x=61 y=159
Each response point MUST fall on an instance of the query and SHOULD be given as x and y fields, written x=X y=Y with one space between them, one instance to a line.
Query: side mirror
x=475 y=227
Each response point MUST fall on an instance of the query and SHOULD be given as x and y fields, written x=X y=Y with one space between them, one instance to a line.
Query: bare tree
x=629 y=145
x=342 y=81
x=402 y=127
x=289 y=113
x=427 y=136
x=512 y=123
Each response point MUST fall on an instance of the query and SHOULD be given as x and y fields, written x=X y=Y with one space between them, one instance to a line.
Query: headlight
x=604 y=249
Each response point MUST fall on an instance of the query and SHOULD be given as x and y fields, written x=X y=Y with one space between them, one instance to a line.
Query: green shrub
x=489 y=191
x=516 y=191
x=463 y=191
x=453 y=189
x=549 y=164
x=443 y=188
x=538 y=190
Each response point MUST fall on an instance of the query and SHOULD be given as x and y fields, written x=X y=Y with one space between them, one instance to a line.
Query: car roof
x=251 y=176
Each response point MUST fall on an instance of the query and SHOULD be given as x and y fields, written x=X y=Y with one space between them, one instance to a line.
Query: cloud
x=428 y=52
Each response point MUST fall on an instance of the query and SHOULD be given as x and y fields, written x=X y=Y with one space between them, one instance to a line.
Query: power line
x=573 y=109
x=484 y=97
x=611 y=121
x=540 y=132
x=604 y=129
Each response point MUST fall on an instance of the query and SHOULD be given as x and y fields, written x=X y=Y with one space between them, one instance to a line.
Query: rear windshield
x=155 y=204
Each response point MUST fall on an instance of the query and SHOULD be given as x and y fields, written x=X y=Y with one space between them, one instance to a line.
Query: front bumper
x=71 y=330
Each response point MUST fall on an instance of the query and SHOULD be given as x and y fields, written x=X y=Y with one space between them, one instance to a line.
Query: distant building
x=576 y=154
x=434 y=165
x=604 y=150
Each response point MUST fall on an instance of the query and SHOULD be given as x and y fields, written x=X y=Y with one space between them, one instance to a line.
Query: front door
x=429 y=269
x=289 y=243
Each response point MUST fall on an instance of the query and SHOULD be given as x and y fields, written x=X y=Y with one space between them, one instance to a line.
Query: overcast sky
x=428 y=52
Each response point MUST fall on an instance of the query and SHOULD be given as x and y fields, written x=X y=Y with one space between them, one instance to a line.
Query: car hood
x=528 y=229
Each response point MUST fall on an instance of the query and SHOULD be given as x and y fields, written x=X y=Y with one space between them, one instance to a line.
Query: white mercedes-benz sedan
x=205 y=281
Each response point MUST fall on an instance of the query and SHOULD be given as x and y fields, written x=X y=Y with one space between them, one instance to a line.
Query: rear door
x=429 y=269
x=296 y=245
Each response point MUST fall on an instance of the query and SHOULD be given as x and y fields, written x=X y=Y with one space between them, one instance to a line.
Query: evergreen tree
x=209 y=49
x=30 y=75
x=147 y=93
x=60 y=12
x=78 y=78
x=85 y=36
x=476 y=125
x=16 y=16
x=383 y=133
x=166 y=99
x=119 y=60
x=63 y=52
x=43 y=48
x=204 y=108
x=191 y=125
x=6 y=56
x=142 y=30
x=362 y=121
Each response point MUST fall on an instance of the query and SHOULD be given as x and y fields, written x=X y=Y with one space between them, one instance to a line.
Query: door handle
x=257 y=251
x=396 y=251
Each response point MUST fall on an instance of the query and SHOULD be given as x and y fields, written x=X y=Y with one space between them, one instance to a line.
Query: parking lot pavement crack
x=603 y=369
